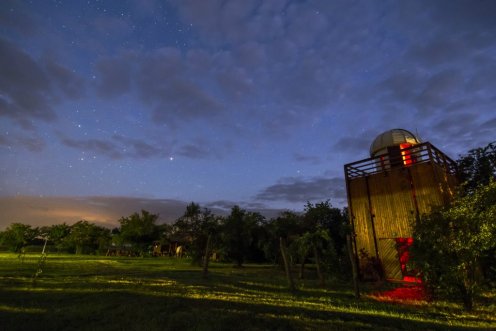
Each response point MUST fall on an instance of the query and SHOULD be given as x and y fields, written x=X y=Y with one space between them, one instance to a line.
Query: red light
x=403 y=246
x=407 y=157
x=404 y=293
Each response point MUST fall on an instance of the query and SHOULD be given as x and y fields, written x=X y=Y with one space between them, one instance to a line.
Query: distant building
x=403 y=179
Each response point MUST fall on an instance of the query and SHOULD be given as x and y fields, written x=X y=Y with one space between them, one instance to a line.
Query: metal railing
x=407 y=157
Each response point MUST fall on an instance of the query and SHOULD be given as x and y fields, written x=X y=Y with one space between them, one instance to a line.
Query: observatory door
x=389 y=258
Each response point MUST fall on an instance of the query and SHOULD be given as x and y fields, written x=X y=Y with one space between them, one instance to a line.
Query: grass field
x=116 y=293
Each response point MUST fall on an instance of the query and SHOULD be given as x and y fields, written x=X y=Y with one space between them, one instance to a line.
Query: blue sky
x=256 y=103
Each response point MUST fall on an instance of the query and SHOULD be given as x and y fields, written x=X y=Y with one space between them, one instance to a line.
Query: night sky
x=107 y=107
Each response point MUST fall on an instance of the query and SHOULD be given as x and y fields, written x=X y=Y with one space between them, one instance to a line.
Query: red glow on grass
x=404 y=293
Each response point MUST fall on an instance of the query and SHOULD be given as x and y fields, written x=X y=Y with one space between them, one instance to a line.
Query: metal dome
x=391 y=138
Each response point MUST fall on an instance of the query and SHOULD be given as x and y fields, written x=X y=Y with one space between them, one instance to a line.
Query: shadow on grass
x=147 y=294
x=134 y=311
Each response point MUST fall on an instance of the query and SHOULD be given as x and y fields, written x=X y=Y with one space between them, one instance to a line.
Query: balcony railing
x=407 y=157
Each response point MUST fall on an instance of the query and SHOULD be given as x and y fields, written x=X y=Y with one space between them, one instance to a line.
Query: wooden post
x=354 y=268
x=284 y=254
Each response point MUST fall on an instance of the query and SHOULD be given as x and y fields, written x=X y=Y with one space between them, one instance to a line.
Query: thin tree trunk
x=353 y=266
x=282 y=245
x=302 y=266
x=206 y=258
x=317 y=264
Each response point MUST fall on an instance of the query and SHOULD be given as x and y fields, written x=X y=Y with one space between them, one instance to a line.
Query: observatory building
x=403 y=179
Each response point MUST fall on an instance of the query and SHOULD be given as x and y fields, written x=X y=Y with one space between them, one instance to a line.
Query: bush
x=454 y=247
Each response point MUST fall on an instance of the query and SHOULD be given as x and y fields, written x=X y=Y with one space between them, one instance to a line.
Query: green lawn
x=115 y=293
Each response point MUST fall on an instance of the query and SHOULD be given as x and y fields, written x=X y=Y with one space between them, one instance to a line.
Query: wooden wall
x=389 y=203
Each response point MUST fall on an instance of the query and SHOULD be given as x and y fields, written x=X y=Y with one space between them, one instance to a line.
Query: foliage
x=18 y=235
x=194 y=228
x=139 y=230
x=86 y=237
x=325 y=232
x=238 y=231
x=450 y=244
x=287 y=226
x=477 y=168
x=56 y=234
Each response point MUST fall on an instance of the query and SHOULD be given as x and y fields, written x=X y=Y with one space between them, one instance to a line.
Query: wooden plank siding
x=361 y=216
x=393 y=200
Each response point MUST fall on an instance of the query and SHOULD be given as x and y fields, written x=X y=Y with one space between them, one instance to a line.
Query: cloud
x=32 y=143
x=357 y=145
x=70 y=84
x=121 y=147
x=439 y=51
x=194 y=151
x=40 y=211
x=118 y=147
x=30 y=88
x=301 y=190
x=310 y=159
x=115 y=76
x=16 y=19
x=106 y=211
x=24 y=86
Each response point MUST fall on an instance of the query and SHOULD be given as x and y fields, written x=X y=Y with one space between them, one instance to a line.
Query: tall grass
x=116 y=293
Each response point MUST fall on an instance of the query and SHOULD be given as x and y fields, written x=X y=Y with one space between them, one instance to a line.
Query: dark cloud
x=309 y=85
x=182 y=99
x=252 y=55
x=358 y=145
x=118 y=147
x=220 y=21
x=115 y=76
x=30 y=88
x=194 y=151
x=300 y=190
x=465 y=15
x=439 y=90
x=13 y=16
x=32 y=143
x=137 y=148
x=71 y=85
x=490 y=124
x=25 y=87
x=236 y=83
x=164 y=84
x=310 y=159
x=111 y=26
x=439 y=51
x=121 y=147
x=484 y=78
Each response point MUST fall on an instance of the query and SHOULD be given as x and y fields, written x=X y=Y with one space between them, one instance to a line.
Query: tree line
x=315 y=235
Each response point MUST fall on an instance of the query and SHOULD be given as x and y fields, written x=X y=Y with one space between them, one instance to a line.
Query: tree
x=318 y=243
x=139 y=230
x=477 y=168
x=86 y=237
x=287 y=226
x=56 y=234
x=18 y=235
x=194 y=229
x=451 y=244
x=324 y=236
x=237 y=233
